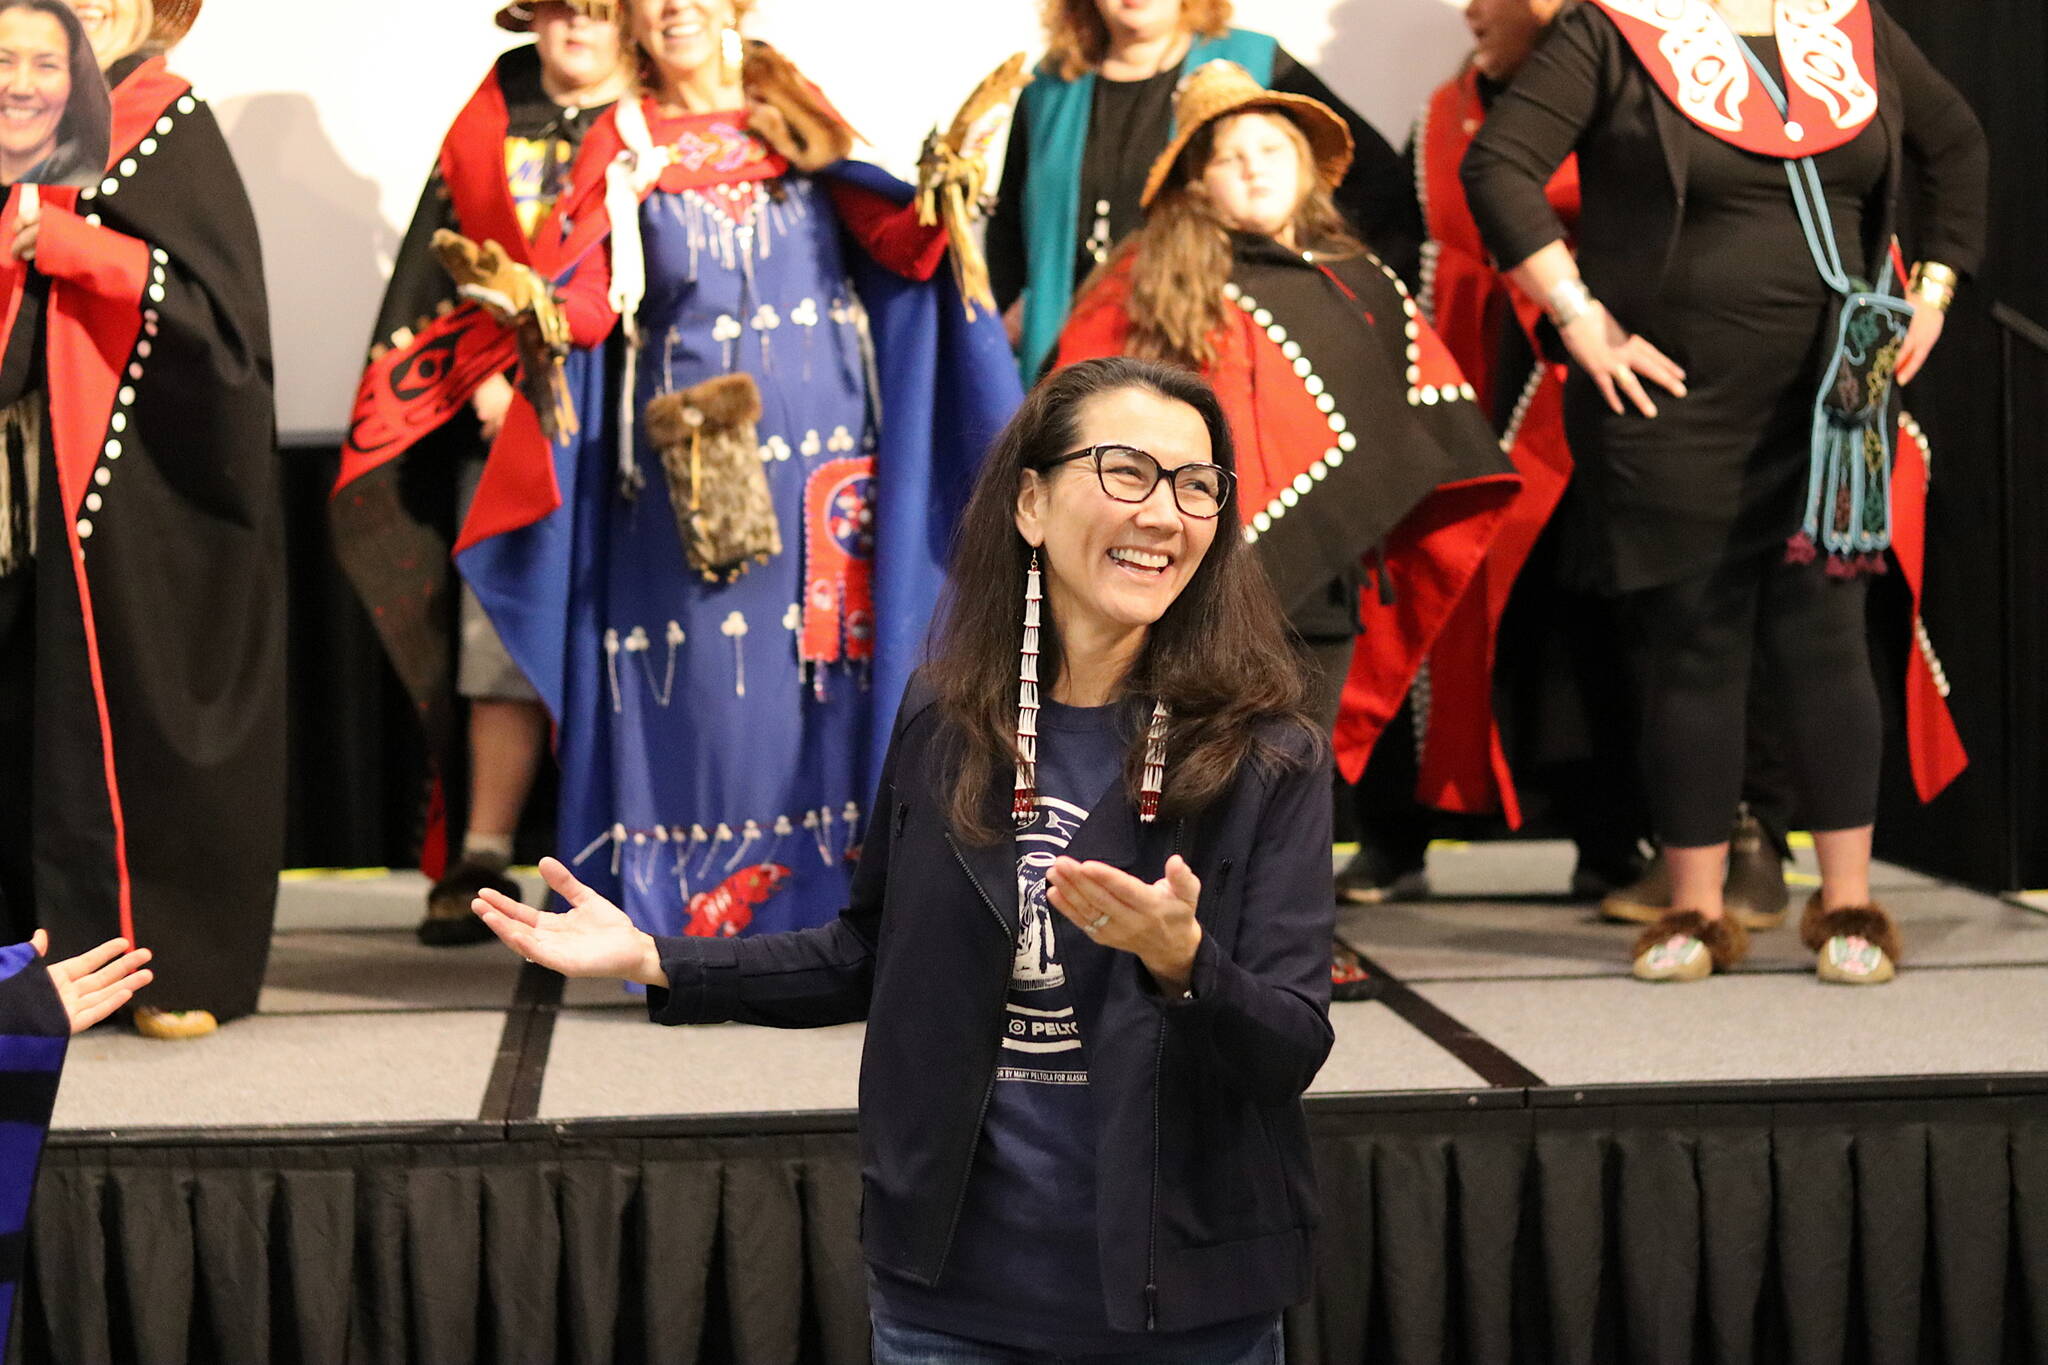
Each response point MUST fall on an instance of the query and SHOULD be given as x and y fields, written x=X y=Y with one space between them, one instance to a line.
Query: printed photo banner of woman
x=55 y=113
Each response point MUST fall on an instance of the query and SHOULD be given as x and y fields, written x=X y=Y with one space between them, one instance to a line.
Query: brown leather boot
x=1645 y=900
x=1755 y=890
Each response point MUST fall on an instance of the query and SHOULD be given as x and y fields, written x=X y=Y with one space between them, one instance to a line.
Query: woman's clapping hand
x=591 y=938
x=1154 y=921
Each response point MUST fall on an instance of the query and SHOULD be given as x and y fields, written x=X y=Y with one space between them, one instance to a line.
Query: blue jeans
x=899 y=1343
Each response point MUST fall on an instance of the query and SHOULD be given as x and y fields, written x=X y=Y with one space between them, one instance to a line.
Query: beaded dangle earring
x=1155 y=765
x=732 y=53
x=1024 y=807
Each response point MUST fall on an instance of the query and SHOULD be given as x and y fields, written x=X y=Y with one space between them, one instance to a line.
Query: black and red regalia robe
x=393 y=514
x=1491 y=330
x=1358 y=444
x=157 y=687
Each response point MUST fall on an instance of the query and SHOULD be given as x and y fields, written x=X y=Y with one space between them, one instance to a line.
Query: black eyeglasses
x=1129 y=475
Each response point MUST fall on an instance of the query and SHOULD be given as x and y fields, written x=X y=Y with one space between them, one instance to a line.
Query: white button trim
x=1303 y=484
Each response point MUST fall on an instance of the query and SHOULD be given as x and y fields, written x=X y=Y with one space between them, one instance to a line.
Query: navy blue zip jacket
x=1205 y=1193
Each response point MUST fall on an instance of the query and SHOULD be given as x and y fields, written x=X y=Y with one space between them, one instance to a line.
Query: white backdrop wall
x=334 y=112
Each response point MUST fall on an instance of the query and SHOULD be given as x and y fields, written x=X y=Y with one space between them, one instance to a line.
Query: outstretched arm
x=593 y=938
x=801 y=979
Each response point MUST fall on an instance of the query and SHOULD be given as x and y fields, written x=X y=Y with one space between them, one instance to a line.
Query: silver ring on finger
x=1095 y=925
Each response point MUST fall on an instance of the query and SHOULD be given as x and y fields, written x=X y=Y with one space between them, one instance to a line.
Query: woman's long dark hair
x=1219 y=657
x=79 y=156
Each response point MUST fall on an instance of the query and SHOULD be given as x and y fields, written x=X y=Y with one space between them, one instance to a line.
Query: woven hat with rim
x=1215 y=89
x=173 y=21
x=517 y=17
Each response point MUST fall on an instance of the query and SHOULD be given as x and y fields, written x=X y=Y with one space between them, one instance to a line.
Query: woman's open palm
x=98 y=981
x=592 y=937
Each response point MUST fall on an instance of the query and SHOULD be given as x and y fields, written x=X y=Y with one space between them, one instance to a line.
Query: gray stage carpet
x=1498 y=983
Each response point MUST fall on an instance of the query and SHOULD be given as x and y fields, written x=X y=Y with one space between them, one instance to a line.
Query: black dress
x=1720 y=473
x=1696 y=246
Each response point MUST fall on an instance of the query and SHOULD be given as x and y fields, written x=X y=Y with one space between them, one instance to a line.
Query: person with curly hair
x=1097 y=114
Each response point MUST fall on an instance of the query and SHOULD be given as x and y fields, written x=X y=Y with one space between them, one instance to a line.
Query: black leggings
x=1691 y=645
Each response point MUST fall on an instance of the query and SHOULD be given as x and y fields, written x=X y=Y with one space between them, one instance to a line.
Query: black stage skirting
x=1887 y=1222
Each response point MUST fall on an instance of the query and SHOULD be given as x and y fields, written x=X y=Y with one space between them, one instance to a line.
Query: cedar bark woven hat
x=1215 y=89
x=517 y=17
x=173 y=21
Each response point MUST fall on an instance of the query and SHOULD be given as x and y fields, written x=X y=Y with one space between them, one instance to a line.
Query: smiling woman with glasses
x=1089 y=926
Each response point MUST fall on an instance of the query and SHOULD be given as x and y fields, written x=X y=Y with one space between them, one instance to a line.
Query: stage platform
x=1505 y=1136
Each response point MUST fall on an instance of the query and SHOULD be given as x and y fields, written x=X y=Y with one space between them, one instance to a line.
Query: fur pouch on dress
x=724 y=512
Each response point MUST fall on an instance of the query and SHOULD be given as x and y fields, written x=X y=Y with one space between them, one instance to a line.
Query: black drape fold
x=1811 y=1234
x=1865 y=1233
x=1733 y=1162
